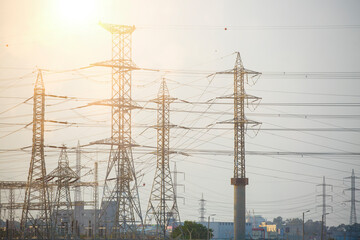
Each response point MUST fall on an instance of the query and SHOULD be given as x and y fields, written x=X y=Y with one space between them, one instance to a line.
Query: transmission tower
x=239 y=180
x=62 y=214
x=120 y=193
x=353 y=201
x=162 y=207
x=35 y=218
x=202 y=209
x=78 y=173
x=324 y=206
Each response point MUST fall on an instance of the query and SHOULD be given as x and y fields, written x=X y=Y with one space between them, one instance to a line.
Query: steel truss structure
x=239 y=180
x=62 y=212
x=35 y=219
x=120 y=180
x=353 y=201
x=162 y=208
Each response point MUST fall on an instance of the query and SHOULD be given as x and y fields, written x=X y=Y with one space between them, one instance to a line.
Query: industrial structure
x=120 y=186
x=62 y=212
x=352 y=200
x=162 y=207
x=35 y=219
x=324 y=206
x=45 y=216
x=240 y=122
x=202 y=210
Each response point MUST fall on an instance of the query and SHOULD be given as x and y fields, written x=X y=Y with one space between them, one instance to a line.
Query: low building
x=225 y=230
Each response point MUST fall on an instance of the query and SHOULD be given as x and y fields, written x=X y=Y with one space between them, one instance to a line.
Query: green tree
x=278 y=221
x=191 y=230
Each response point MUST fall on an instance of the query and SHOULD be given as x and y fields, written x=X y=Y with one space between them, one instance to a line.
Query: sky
x=307 y=51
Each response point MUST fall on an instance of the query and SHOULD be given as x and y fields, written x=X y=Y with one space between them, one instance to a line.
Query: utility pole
x=323 y=226
x=239 y=180
x=352 y=201
x=11 y=213
x=202 y=210
x=120 y=188
x=323 y=205
x=35 y=217
x=162 y=205
x=303 y=227
x=208 y=227
x=62 y=214
x=96 y=197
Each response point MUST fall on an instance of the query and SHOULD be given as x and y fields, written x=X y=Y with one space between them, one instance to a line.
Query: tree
x=278 y=221
x=191 y=230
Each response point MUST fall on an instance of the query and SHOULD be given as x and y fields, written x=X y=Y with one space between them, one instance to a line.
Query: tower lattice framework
x=324 y=206
x=62 y=212
x=120 y=186
x=35 y=218
x=202 y=209
x=162 y=208
x=239 y=180
x=352 y=201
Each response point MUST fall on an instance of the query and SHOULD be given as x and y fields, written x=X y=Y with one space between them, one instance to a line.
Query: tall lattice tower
x=324 y=206
x=239 y=180
x=78 y=173
x=121 y=212
x=352 y=201
x=162 y=207
x=62 y=214
x=240 y=121
x=35 y=218
x=202 y=209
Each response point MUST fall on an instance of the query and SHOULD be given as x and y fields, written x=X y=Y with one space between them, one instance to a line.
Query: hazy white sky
x=272 y=36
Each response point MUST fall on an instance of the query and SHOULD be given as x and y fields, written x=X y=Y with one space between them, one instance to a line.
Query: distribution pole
x=303 y=224
x=11 y=213
x=35 y=218
x=120 y=188
x=162 y=207
x=352 y=201
x=96 y=197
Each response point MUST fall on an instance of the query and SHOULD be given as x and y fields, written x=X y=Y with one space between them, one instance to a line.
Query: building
x=225 y=230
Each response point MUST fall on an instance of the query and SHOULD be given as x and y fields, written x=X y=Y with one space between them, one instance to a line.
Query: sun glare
x=77 y=11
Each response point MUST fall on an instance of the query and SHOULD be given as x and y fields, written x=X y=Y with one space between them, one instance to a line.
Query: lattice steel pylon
x=239 y=180
x=78 y=173
x=240 y=122
x=35 y=218
x=352 y=201
x=120 y=188
x=162 y=208
x=202 y=209
x=62 y=214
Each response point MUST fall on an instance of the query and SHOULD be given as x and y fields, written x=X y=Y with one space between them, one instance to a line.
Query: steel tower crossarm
x=239 y=179
x=352 y=201
x=36 y=209
x=120 y=186
x=162 y=207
